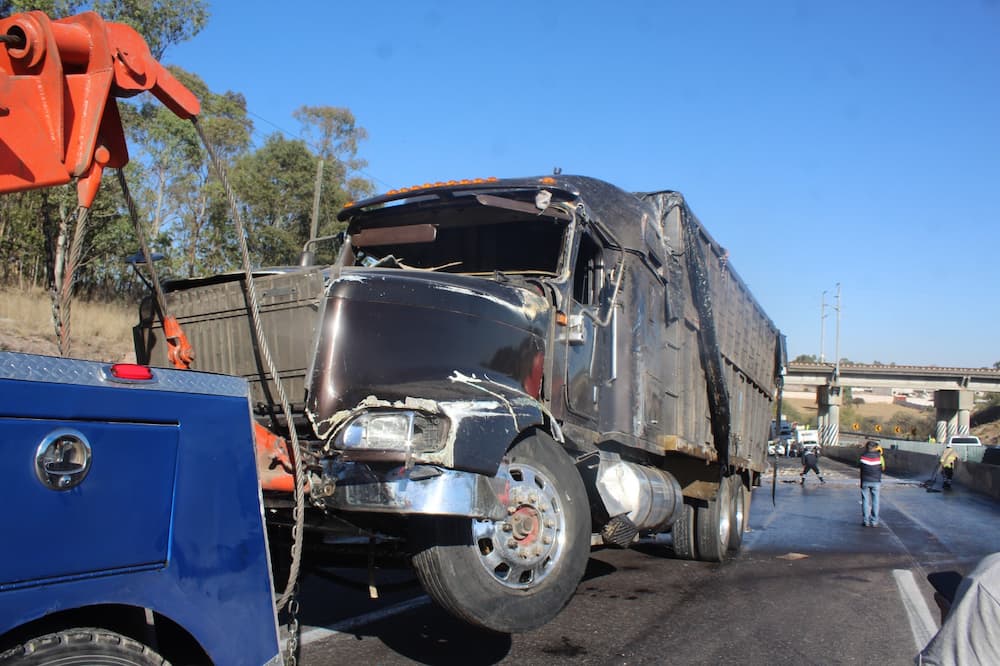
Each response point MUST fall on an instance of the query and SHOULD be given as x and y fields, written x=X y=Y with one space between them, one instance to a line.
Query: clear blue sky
x=820 y=142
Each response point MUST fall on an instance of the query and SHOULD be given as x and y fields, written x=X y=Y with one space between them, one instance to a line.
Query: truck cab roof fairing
x=562 y=189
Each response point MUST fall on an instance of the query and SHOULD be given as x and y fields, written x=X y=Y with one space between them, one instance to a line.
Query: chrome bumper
x=422 y=489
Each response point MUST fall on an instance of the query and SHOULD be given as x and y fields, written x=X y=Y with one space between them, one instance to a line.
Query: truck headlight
x=392 y=431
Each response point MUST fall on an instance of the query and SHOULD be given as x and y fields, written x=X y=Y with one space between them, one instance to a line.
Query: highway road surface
x=811 y=586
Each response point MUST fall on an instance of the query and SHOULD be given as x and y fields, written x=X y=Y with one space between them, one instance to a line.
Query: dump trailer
x=496 y=374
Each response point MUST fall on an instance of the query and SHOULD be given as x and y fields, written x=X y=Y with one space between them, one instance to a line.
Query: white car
x=775 y=448
x=964 y=440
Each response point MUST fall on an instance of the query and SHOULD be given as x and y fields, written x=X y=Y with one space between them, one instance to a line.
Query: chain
x=292 y=644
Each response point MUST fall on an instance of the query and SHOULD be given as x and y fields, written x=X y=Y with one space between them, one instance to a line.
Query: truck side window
x=588 y=274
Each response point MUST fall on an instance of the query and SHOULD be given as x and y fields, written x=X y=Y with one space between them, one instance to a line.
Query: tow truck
x=135 y=529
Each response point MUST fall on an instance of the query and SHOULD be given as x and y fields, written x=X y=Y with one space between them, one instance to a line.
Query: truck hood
x=393 y=337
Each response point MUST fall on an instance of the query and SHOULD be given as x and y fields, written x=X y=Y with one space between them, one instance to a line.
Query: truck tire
x=516 y=574
x=85 y=646
x=713 y=525
x=740 y=497
x=685 y=545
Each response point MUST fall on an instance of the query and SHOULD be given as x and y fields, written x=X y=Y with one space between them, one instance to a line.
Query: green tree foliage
x=54 y=8
x=180 y=194
x=334 y=132
x=805 y=358
x=277 y=182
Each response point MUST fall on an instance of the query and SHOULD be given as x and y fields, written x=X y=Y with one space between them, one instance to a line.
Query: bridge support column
x=952 y=409
x=828 y=399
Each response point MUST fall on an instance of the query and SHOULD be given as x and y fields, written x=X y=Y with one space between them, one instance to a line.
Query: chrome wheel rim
x=521 y=550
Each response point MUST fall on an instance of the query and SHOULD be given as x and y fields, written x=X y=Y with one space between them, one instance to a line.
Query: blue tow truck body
x=132 y=505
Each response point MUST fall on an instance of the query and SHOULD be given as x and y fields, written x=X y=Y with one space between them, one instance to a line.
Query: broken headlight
x=392 y=431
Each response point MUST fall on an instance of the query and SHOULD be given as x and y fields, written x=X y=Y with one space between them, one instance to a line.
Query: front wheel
x=83 y=647
x=515 y=574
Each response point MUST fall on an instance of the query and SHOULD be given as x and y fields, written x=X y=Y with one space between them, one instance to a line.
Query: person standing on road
x=809 y=462
x=871 y=464
x=947 y=462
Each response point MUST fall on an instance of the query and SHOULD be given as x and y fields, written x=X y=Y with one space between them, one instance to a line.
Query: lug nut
x=511 y=543
x=511 y=510
x=507 y=527
x=546 y=540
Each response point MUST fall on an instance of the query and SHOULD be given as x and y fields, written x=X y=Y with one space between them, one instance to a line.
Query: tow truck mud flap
x=110 y=484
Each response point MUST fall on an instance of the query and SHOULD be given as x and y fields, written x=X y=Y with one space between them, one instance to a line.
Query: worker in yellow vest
x=947 y=463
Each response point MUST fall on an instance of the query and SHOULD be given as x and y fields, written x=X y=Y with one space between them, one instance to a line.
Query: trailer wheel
x=683 y=531
x=83 y=646
x=515 y=574
x=740 y=497
x=713 y=527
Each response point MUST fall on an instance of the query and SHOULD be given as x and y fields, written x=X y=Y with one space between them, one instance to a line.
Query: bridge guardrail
x=976 y=476
x=965 y=453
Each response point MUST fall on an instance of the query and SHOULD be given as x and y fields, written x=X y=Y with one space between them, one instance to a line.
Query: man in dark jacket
x=871 y=464
x=809 y=462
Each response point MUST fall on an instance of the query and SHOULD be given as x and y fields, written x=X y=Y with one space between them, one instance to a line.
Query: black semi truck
x=498 y=373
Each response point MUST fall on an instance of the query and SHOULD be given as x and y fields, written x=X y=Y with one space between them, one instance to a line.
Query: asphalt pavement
x=811 y=586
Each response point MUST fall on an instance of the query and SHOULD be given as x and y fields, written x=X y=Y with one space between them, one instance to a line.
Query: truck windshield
x=472 y=241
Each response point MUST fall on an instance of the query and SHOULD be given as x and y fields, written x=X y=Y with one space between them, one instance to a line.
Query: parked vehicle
x=963 y=440
x=493 y=370
x=804 y=439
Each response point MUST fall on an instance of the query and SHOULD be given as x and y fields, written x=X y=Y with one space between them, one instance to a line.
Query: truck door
x=587 y=337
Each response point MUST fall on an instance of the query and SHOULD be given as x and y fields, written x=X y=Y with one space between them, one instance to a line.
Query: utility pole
x=822 y=323
x=837 y=344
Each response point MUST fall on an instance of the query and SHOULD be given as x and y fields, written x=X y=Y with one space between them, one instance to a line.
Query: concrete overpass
x=862 y=375
x=954 y=390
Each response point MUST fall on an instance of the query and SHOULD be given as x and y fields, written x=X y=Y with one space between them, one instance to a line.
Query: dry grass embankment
x=99 y=331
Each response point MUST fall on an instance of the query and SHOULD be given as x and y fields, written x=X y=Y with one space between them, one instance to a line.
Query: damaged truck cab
x=495 y=370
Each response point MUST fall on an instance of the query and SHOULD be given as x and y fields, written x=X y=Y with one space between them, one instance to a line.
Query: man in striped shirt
x=871 y=464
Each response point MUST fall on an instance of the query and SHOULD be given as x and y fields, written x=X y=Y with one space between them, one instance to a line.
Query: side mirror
x=308 y=256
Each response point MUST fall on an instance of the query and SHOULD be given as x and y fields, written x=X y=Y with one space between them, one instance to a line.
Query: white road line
x=351 y=623
x=922 y=624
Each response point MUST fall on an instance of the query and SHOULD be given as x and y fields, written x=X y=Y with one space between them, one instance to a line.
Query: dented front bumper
x=419 y=490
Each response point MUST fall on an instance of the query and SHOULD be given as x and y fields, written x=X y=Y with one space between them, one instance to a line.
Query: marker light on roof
x=427 y=186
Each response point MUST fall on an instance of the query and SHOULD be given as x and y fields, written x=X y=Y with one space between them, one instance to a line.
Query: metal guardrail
x=965 y=453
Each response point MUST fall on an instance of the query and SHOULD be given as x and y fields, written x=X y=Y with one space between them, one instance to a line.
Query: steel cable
x=298 y=511
x=62 y=305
